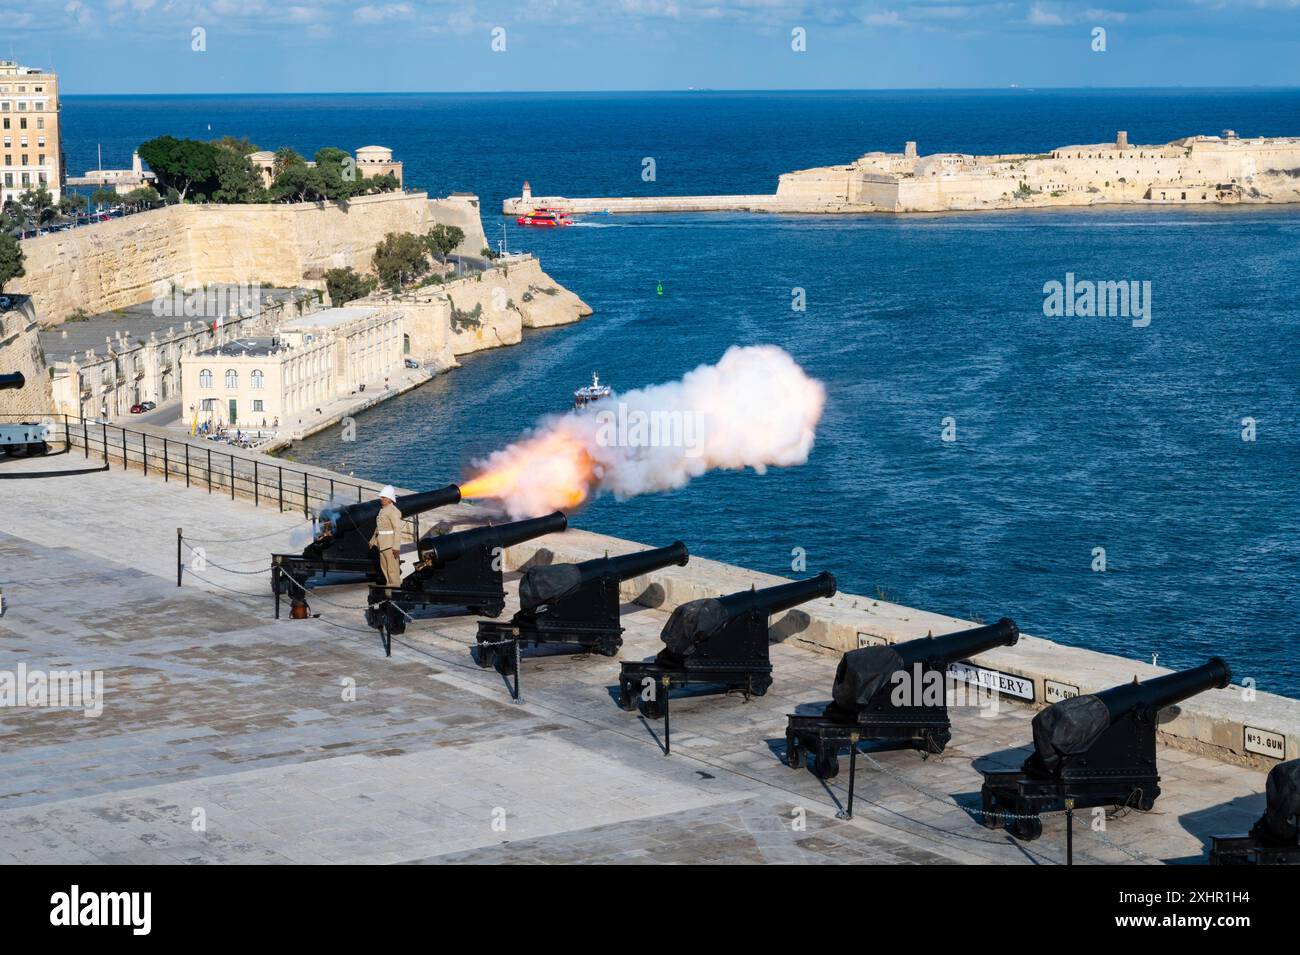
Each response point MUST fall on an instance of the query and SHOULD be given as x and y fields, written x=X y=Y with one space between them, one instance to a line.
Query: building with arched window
x=205 y=378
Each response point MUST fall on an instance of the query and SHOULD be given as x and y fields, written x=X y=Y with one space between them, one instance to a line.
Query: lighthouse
x=527 y=193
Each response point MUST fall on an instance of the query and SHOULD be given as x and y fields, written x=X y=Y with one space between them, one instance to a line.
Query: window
x=257 y=380
x=232 y=378
x=257 y=405
x=205 y=379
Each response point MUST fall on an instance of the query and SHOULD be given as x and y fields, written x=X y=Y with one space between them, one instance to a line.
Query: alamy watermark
x=1085 y=298
x=624 y=427
x=53 y=689
x=215 y=302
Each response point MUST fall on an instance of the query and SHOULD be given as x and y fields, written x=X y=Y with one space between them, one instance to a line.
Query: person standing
x=388 y=537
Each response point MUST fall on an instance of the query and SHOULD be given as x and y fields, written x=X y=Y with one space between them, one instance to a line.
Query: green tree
x=345 y=285
x=182 y=164
x=104 y=196
x=146 y=197
x=442 y=239
x=237 y=179
x=71 y=203
x=11 y=259
x=240 y=147
x=400 y=258
x=285 y=157
x=38 y=206
x=298 y=182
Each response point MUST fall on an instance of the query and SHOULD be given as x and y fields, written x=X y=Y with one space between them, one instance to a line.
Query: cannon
x=720 y=641
x=1275 y=838
x=1098 y=749
x=895 y=694
x=456 y=570
x=573 y=604
x=342 y=541
x=12 y=380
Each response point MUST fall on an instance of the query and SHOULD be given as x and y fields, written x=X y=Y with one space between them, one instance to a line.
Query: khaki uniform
x=388 y=538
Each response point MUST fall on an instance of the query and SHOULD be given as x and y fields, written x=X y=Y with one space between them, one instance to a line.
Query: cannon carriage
x=721 y=642
x=1093 y=750
x=570 y=604
x=342 y=541
x=462 y=570
x=1275 y=837
x=894 y=694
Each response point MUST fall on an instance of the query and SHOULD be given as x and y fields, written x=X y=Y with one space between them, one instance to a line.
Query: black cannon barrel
x=361 y=516
x=634 y=565
x=449 y=547
x=14 y=380
x=1162 y=691
x=781 y=597
x=952 y=647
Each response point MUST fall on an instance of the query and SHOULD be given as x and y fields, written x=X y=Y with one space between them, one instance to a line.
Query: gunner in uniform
x=388 y=537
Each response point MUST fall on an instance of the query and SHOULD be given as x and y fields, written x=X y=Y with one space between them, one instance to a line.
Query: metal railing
x=199 y=463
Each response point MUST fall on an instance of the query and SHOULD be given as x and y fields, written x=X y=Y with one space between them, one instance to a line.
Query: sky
x=179 y=46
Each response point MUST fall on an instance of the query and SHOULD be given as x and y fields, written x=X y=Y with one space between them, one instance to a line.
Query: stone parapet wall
x=20 y=351
x=124 y=261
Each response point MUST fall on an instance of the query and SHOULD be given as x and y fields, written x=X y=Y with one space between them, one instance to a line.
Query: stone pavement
x=227 y=736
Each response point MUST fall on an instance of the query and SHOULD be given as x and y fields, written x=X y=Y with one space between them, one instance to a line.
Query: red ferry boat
x=545 y=218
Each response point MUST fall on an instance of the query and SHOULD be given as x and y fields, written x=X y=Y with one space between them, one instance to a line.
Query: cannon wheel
x=373 y=618
x=1026 y=830
x=625 y=696
x=504 y=660
x=761 y=687
x=989 y=817
x=650 y=709
x=826 y=765
x=607 y=649
x=793 y=754
x=484 y=656
x=395 y=621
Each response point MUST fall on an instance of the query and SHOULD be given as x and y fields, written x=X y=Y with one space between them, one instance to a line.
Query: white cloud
x=382 y=13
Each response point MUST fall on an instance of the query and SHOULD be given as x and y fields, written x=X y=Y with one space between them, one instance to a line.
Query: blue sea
x=1072 y=434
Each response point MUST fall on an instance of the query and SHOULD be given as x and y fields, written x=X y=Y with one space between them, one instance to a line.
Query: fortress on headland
x=1223 y=169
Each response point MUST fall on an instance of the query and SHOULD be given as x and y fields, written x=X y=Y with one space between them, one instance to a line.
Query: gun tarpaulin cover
x=543 y=584
x=1068 y=728
x=691 y=622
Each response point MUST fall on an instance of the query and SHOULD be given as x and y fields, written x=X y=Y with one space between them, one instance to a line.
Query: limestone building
x=101 y=365
x=255 y=382
x=31 y=150
x=1196 y=169
x=367 y=342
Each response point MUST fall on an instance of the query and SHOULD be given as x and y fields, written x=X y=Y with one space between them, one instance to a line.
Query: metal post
x=275 y=587
x=85 y=436
x=179 y=562
x=517 y=697
x=668 y=729
x=257 y=502
x=280 y=482
x=105 y=439
x=209 y=470
x=232 y=476
x=306 y=505
x=1069 y=832
x=847 y=813
x=331 y=489
x=144 y=451
x=166 y=463
x=125 y=463
x=187 y=465
x=67 y=436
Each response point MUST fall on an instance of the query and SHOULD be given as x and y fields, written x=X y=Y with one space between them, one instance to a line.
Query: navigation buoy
x=659 y=289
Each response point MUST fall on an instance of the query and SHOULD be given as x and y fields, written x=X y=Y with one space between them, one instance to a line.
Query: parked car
x=137 y=409
x=148 y=405
x=412 y=363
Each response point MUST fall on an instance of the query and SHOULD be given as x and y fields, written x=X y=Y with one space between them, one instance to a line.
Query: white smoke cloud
x=755 y=408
